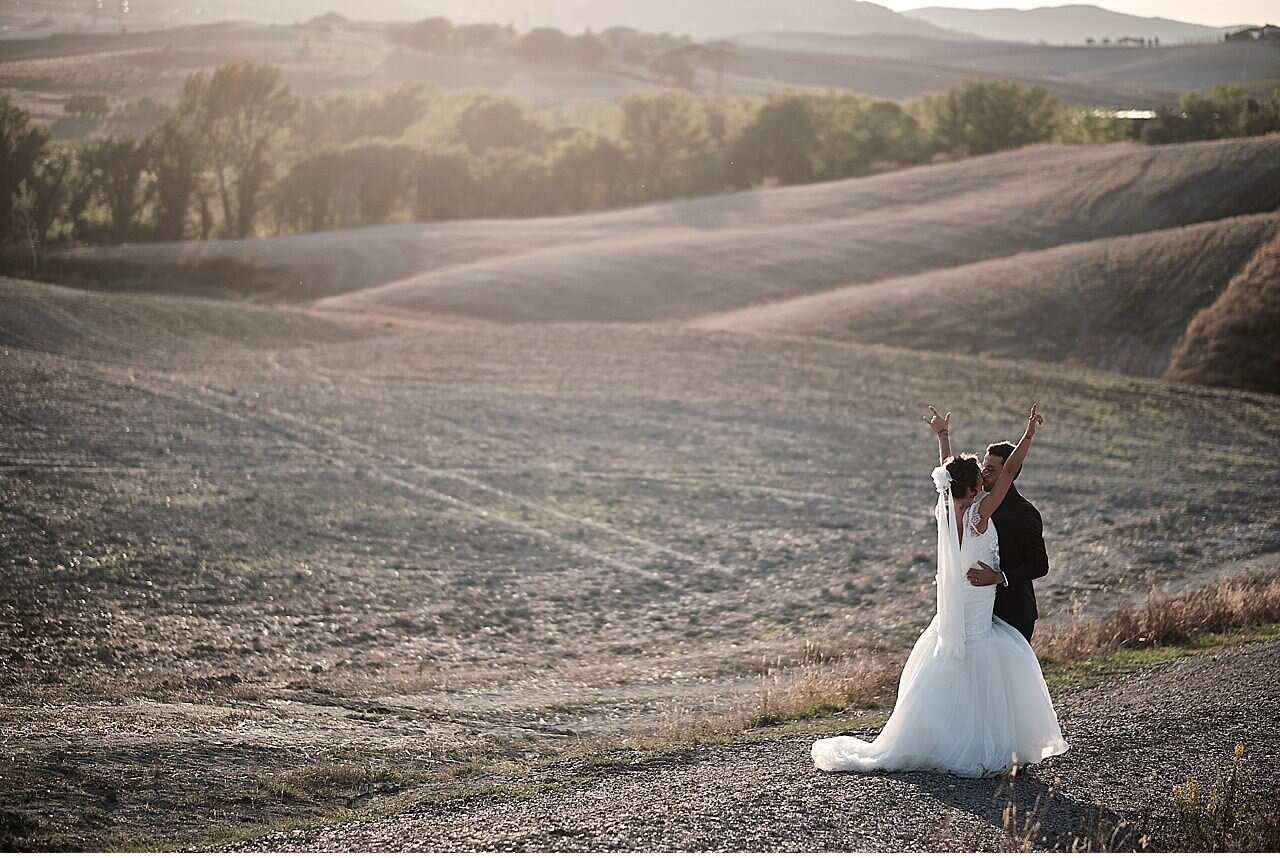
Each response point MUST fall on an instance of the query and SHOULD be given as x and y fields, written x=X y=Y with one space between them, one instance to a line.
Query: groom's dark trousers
x=1022 y=560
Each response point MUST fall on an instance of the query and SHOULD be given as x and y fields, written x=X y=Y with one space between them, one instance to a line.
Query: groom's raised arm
x=1026 y=530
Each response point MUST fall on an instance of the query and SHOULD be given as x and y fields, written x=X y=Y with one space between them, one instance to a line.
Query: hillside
x=1064 y=24
x=760 y=794
x=708 y=18
x=688 y=259
x=1119 y=304
x=1114 y=76
x=685 y=260
x=123 y=328
x=581 y=495
x=42 y=72
x=1106 y=251
x=1232 y=342
x=878 y=53
x=322 y=570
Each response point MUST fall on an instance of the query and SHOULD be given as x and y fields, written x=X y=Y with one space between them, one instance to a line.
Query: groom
x=1021 y=532
x=1022 y=555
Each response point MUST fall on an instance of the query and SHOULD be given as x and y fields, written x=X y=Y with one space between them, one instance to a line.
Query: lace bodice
x=978 y=548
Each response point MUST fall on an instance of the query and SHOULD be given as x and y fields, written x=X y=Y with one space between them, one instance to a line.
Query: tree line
x=666 y=57
x=240 y=154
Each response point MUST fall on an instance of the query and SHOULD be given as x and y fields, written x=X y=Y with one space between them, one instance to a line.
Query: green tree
x=379 y=175
x=544 y=45
x=1228 y=111
x=513 y=183
x=21 y=146
x=444 y=187
x=348 y=117
x=990 y=116
x=674 y=67
x=116 y=166
x=86 y=106
x=146 y=112
x=23 y=219
x=482 y=39
x=666 y=132
x=499 y=121
x=1091 y=127
x=780 y=144
x=432 y=36
x=1222 y=114
x=307 y=197
x=177 y=153
x=587 y=51
x=590 y=172
x=246 y=108
x=54 y=185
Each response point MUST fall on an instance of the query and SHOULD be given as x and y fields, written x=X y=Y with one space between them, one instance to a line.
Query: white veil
x=950 y=575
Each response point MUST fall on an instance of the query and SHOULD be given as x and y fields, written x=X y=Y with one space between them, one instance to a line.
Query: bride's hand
x=1034 y=420
x=936 y=421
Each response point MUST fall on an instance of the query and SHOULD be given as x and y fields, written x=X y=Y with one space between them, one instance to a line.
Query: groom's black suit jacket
x=1022 y=560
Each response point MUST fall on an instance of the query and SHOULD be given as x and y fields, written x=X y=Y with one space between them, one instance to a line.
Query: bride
x=971 y=700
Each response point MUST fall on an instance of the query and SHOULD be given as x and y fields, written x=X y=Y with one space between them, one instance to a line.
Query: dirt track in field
x=232 y=571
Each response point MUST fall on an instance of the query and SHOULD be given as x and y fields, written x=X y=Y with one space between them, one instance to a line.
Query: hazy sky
x=1220 y=13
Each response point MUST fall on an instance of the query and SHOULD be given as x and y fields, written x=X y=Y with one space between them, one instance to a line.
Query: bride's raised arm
x=992 y=501
x=942 y=427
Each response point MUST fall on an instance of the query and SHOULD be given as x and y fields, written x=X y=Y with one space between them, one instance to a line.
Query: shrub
x=85 y=106
x=1236 y=815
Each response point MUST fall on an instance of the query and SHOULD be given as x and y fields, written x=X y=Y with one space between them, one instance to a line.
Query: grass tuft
x=1166 y=621
x=1165 y=627
x=1234 y=815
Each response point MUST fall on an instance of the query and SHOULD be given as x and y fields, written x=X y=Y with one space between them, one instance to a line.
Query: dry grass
x=1022 y=828
x=1236 y=814
x=1239 y=813
x=1165 y=621
x=1118 y=304
x=72 y=322
x=824 y=684
x=691 y=259
x=1231 y=343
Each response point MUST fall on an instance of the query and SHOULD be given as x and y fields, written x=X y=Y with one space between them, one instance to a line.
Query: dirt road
x=1131 y=740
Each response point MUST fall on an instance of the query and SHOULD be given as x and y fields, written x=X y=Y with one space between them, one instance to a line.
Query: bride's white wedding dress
x=972 y=709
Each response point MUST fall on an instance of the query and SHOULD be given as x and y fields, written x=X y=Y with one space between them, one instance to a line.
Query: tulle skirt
x=974 y=717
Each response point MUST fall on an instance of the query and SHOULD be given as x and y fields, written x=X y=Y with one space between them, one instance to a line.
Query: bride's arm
x=942 y=426
x=992 y=501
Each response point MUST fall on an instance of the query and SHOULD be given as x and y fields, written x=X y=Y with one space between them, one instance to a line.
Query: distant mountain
x=1064 y=24
x=698 y=18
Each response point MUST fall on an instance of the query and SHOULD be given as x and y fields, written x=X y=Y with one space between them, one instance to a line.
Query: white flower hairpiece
x=942 y=479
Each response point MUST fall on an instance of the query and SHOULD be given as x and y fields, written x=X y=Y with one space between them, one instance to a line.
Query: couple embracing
x=972 y=699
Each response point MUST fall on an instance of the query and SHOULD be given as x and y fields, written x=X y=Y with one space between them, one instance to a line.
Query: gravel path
x=1131 y=740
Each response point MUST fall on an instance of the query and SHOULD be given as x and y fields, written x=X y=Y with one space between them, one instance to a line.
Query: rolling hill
x=1119 y=304
x=901 y=66
x=1059 y=24
x=1121 y=244
x=1232 y=342
x=704 y=19
x=125 y=328
x=741 y=250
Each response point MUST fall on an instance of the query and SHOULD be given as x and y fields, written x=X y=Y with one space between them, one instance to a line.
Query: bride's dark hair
x=965 y=473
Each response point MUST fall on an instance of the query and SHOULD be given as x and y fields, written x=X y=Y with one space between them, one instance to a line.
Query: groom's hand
x=983 y=575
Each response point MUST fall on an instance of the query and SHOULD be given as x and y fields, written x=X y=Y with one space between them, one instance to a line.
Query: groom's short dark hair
x=1004 y=450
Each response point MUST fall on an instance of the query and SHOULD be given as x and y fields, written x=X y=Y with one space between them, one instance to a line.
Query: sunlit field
x=387 y=406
